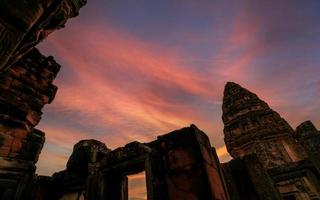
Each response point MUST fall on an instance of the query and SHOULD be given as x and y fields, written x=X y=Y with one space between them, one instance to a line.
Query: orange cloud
x=50 y=161
x=125 y=85
x=223 y=154
x=112 y=51
x=137 y=186
x=128 y=89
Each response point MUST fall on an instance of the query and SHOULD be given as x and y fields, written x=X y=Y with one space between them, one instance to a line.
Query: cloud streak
x=126 y=91
x=120 y=83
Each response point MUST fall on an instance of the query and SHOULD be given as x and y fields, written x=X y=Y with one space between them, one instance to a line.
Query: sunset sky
x=136 y=69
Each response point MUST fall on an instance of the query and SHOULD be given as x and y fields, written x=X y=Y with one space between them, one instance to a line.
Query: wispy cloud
x=119 y=83
x=128 y=90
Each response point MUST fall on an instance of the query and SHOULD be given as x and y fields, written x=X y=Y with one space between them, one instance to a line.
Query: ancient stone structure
x=252 y=128
x=183 y=165
x=270 y=161
x=26 y=78
x=72 y=182
x=309 y=137
x=247 y=179
x=23 y=24
x=27 y=86
x=178 y=165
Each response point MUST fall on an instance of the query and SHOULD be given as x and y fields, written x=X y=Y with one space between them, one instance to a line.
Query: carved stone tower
x=251 y=127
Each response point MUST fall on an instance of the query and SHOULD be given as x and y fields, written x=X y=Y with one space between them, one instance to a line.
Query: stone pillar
x=247 y=179
x=95 y=185
x=155 y=174
x=189 y=167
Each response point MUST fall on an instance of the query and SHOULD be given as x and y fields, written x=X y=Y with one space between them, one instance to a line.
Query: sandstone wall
x=25 y=87
x=23 y=24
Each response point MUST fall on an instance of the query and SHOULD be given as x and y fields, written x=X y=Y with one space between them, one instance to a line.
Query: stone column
x=189 y=168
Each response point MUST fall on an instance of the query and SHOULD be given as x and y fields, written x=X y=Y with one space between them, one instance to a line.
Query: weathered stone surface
x=73 y=180
x=178 y=166
x=182 y=164
x=306 y=129
x=247 y=179
x=189 y=164
x=23 y=24
x=28 y=87
x=85 y=152
x=251 y=127
x=309 y=137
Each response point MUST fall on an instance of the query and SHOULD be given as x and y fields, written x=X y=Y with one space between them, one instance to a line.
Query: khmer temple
x=270 y=160
x=253 y=129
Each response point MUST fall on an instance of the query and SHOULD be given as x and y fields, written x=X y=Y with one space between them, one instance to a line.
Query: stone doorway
x=133 y=162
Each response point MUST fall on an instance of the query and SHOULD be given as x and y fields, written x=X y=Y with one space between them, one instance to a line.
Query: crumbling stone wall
x=179 y=165
x=74 y=180
x=300 y=180
x=23 y=24
x=27 y=87
x=247 y=179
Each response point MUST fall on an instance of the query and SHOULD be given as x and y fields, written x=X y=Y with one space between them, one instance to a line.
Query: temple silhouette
x=270 y=160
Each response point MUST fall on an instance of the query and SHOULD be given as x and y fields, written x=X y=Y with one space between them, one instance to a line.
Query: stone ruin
x=178 y=165
x=289 y=158
x=270 y=160
x=23 y=24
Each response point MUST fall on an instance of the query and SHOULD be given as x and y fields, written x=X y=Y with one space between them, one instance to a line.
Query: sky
x=133 y=70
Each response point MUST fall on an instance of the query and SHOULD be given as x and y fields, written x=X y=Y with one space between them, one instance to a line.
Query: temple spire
x=251 y=126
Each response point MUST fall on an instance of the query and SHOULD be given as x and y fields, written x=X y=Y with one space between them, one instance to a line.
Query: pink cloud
x=119 y=82
x=137 y=186
x=49 y=162
x=94 y=89
x=130 y=56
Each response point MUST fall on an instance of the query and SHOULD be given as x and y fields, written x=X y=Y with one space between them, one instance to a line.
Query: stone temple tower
x=252 y=127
